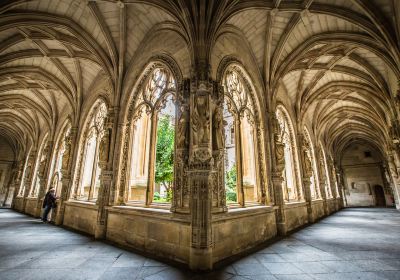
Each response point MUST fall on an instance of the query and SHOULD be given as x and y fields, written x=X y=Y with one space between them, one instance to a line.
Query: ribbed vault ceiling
x=336 y=62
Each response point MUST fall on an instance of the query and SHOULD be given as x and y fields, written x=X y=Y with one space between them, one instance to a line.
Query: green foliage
x=165 y=155
x=230 y=184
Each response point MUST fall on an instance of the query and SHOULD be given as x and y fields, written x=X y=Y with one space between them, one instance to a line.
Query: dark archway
x=379 y=196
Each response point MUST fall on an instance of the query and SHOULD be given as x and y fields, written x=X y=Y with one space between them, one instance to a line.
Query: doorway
x=379 y=196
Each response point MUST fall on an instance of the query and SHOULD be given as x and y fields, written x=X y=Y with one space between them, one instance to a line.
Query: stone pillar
x=340 y=181
x=11 y=184
x=277 y=178
x=181 y=192
x=201 y=175
x=43 y=174
x=395 y=178
x=322 y=183
x=17 y=181
x=218 y=150
x=307 y=173
x=332 y=173
x=29 y=177
x=66 y=175
x=105 y=180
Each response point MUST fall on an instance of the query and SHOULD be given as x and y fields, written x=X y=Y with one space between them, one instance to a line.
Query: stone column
x=105 y=180
x=17 y=181
x=201 y=175
x=322 y=183
x=11 y=184
x=43 y=174
x=340 y=181
x=66 y=175
x=395 y=177
x=277 y=178
x=181 y=193
x=332 y=173
x=29 y=178
x=218 y=150
x=307 y=173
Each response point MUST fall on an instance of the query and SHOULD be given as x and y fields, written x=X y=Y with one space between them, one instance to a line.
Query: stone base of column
x=281 y=228
x=59 y=219
x=200 y=259
x=310 y=215
x=100 y=231
x=325 y=204
x=39 y=211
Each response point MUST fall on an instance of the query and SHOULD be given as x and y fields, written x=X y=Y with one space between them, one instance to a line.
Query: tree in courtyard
x=165 y=154
x=230 y=184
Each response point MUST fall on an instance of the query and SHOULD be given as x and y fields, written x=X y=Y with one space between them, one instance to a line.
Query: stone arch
x=88 y=150
x=36 y=179
x=249 y=111
x=310 y=145
x=291 y=153
x=139 y=105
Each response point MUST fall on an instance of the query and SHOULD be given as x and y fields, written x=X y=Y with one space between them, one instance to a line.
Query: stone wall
x=18 y=204
x=241 y=229
x=154 y=231
x=296 y=215
x=317 y=209
x=363 y=171
x=81 y=216
x=30 y=206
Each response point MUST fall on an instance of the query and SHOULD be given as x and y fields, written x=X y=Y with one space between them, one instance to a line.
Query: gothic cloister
x=196 y=131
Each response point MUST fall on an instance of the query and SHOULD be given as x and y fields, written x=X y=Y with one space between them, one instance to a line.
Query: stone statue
x=307 y=161
x=183 y=127
x=42 y=166
x=104 y=147
x=201 y=120
x=279 y=145
x=28 y=171
x=218 y=129
x=66 y=155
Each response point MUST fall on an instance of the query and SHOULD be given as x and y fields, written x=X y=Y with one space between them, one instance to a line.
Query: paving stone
x=312 y=267
x=282 y=268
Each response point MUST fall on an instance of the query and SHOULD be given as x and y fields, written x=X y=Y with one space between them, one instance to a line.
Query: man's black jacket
x=50 y=200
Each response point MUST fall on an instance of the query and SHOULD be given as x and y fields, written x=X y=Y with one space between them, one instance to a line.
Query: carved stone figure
x=218 y=129
x=183 y=127
x=279 y=145
x=201 y=119
x=104 y=147
x=66 y=155
x=307 y=161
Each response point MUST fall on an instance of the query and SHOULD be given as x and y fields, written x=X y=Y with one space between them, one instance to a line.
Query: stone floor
x=355 y=243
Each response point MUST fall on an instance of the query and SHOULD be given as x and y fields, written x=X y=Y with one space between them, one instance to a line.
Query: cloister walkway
x=356 y=243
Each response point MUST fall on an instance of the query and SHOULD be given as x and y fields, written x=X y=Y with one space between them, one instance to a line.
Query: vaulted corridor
x=354 y=243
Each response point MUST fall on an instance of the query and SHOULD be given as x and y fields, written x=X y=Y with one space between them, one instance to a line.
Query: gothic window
x=310 y=153
x=150 y=175
x=39 y=165
x=89 y=181
x=335 y=181
x=241 y=178
x=57 y=160
x=325 y=174
x=25 y=175
x=291 y=189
